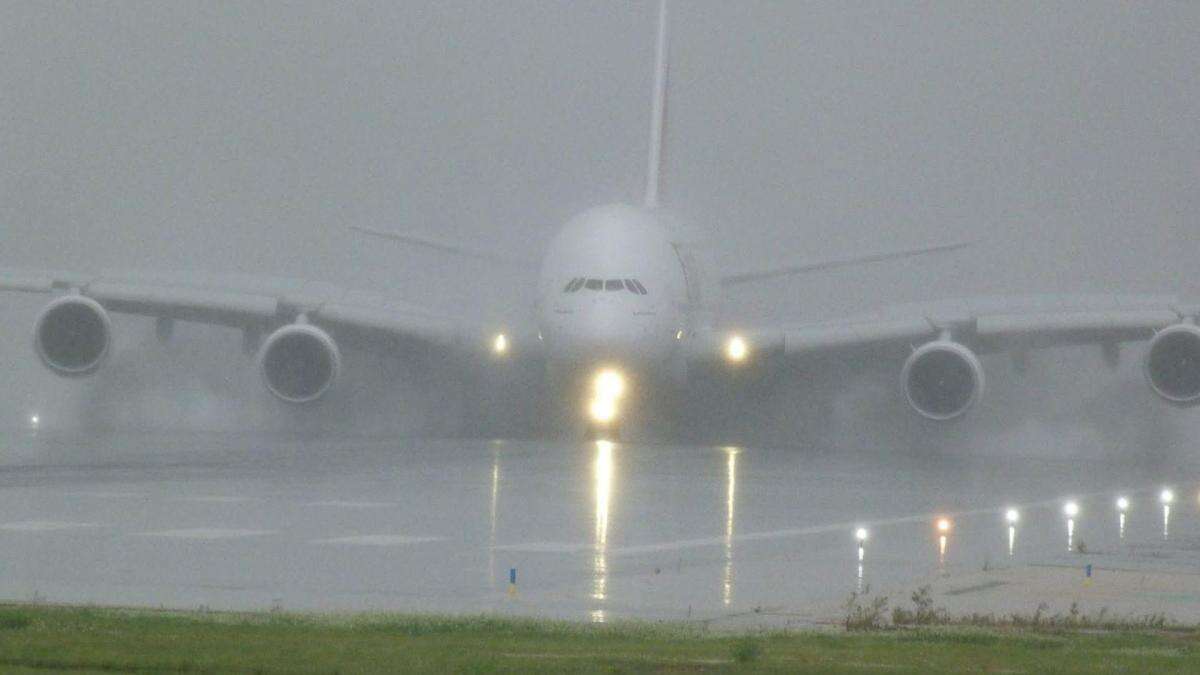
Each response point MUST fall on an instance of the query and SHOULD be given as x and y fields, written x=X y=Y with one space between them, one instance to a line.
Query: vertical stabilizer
x=658 y=114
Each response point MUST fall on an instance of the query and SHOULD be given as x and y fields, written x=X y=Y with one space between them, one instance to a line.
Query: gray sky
x=246 y=137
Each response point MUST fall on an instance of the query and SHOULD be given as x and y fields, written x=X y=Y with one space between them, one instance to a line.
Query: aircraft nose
x=605 y=326
x=603 y=330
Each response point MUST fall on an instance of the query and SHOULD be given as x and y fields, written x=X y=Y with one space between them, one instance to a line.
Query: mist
x=231 y=138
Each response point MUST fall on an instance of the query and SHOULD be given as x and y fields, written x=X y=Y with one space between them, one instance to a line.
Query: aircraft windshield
x=580 y=283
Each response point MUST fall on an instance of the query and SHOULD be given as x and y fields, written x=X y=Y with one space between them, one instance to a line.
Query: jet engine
x=299 y=363
x=72 y=336
x=1173 y=364
x=942 y=380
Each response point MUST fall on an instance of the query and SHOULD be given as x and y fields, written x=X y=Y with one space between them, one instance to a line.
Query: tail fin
x=658 y=114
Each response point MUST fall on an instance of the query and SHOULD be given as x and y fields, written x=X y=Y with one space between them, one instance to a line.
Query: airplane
x=622 y=294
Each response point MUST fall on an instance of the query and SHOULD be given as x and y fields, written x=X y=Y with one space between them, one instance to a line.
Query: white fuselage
x=613 y=290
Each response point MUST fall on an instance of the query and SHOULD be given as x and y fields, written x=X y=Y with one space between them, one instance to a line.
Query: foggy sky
x=236 y=137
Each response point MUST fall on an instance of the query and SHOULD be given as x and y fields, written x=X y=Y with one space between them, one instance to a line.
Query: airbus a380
x=620 y=295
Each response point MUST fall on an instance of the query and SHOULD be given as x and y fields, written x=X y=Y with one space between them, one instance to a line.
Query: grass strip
x=46 y=638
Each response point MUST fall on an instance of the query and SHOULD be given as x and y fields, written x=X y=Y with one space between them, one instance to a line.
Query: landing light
x=943 y=525
x=609 y=384
x=736 y=349
x=861 y=534
x=1122 y=504
x=1166 y=497
x=602 y=409
x=34 y=421
x=607 y=389
x=1012 y=516
x=500 y=344
x=1071 y=509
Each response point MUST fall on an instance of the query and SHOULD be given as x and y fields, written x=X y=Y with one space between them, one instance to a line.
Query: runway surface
x=594 y=530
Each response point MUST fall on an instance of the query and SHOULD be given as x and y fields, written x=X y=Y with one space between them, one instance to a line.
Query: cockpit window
x=578 y=283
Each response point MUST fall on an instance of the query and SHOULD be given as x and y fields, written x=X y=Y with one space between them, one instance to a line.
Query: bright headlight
x=500 y=344
x=736 y=349
x=602 y=409
x=609 y=384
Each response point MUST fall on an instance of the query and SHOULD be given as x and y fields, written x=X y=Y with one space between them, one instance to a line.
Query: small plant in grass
x=864 y=612
x=923 y=612
x=1037 y=615
x=926 y=613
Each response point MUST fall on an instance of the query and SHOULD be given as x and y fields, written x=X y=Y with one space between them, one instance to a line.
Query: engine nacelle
x=1173 y=364
x=942 y=380
x=299 y=363
x=72 y=336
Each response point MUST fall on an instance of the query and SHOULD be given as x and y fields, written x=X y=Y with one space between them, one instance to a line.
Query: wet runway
x=594 y=530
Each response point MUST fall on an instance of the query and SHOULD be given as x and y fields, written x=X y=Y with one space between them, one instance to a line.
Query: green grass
x=43 y=638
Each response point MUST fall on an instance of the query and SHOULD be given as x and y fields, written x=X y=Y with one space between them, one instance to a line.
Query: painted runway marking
x=43 y=526
x=217 y=499
x=569 y=547
x=353 y=505
x=378 y=540
x=546 y=547
x=206 y=533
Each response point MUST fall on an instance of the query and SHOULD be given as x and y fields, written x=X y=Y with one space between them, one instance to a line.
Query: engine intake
x=942 y=380
x=299 y=363
x=1173 y=364
x=72 y=336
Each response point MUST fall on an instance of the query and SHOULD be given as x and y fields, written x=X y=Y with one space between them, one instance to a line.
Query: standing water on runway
x=595 y=530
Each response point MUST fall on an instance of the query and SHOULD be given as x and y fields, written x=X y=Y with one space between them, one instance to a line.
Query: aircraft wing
x=803 y=267
x=951 y=333
x=987 y=325
x=257 y=304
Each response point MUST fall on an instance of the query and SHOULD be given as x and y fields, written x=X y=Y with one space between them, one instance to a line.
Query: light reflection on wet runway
x=730 y=500
x=596 y=530
x=602 y=471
